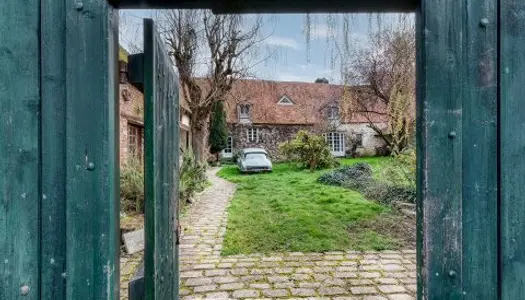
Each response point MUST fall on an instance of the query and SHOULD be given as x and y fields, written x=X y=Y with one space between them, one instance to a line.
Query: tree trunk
x=198 y=142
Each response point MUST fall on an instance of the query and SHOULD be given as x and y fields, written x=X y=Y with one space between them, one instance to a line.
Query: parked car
x=252 y=160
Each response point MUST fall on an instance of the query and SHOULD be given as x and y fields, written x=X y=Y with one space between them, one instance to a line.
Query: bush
x=309 y=150
x=192 y=177
x=358 y=171
x=218 y=134
x=387 y=193
x=359 y=177
x=402 y=169
x=383 y=151
x=132 y=186
x=357 y=184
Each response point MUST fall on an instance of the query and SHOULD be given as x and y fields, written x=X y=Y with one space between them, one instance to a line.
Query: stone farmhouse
x=265 y=114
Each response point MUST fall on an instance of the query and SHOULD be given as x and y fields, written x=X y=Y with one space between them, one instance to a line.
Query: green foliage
x=132 y=186
x=387 y=193
x=359 y=177
x=297 y=213
x=218 y=138
x=402 y=169
x=192 y=177
x=309 y=150
x=340 y=176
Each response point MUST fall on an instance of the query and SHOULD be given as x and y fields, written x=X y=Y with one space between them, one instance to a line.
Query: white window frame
x=244 y=113
x=333 y=113
x=285 y=101
x=252 y=135
x=228 y=151
x=336 y=148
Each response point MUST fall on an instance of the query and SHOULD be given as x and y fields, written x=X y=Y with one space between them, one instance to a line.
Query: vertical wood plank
x=512 y=148
x=480 y=151
x=150 y=82
x=162 y=166
x=457 y=148
x=20 y=149
x=92 y=221
x=53 y=223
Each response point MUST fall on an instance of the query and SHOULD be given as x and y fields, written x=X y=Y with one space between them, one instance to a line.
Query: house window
x=135 y=138
x=229 y=146
x=333 y=113
x=252 y=135
x=228 y=151
x=359 y=140
x=184 y=139
x=285 y=101
x=336 y=143
x=245 y=112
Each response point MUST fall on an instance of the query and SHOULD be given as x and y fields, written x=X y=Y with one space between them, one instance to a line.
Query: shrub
x=358 y=184
x=192 y=177
x=387 y=193
x=358 y=171
x=383 y=151
x=402 y=169
x=309 y=150
x=218 y=137
x=359 y=177
x=132 y=186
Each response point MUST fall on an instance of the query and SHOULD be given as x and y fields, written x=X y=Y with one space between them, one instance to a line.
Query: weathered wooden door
x=161 y=101
x=59 y=193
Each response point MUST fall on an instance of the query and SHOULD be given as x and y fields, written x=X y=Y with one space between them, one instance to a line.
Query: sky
x=285 y=53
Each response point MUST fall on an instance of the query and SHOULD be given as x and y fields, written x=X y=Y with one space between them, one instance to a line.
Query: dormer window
x=285 y=101
x=244 y=112
x=333 y=113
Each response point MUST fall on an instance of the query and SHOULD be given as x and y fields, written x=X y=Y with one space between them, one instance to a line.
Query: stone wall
x=371 y=141
x=270 y=137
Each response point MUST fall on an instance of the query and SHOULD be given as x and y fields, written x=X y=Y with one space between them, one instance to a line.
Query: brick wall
x=131 y=112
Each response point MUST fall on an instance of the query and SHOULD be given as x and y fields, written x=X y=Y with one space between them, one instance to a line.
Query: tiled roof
x=309 y=102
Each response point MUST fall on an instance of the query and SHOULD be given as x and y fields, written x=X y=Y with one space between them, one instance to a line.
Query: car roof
x=254 y=150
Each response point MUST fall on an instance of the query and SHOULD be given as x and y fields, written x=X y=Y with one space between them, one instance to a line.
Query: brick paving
x=336 y=275
x=128 y=265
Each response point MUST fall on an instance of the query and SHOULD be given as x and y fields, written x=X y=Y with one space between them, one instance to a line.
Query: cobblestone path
x=351 y=275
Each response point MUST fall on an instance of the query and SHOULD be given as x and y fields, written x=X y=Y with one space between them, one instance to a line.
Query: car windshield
x=255 y=156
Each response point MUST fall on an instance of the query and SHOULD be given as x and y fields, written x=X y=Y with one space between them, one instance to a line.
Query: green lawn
x=287 y=210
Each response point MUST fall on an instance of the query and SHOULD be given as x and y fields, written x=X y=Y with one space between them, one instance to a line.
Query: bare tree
x=216 y=48
x=386 y=68
x=130 y=32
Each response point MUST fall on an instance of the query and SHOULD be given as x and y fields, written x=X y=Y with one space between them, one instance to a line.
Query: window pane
x=135 y=144
x=229 y=145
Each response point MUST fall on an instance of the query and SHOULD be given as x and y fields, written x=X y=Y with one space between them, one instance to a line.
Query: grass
x=287 y=210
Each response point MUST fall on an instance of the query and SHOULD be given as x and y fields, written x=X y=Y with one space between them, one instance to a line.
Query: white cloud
x=284 y=76
x=281 y=41
x=304 y=73
x=322 y=31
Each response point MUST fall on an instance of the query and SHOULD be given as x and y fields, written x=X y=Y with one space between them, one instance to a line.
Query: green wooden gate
x=161 y=101
x=59 y=157
x=59 y=195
